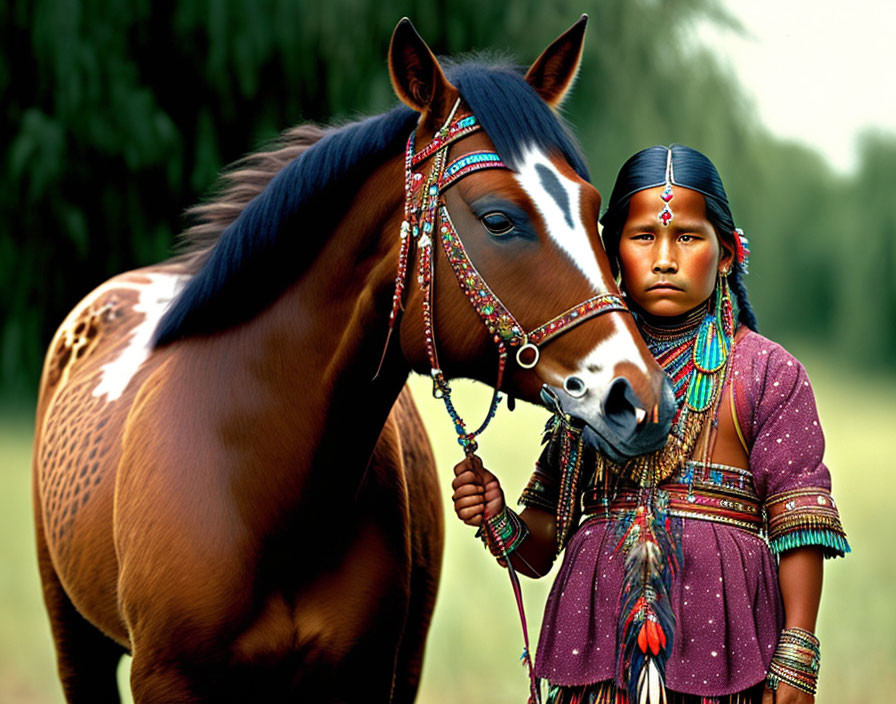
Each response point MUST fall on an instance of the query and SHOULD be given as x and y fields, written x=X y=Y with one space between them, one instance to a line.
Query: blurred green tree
x=865 y=237
x=118 y=115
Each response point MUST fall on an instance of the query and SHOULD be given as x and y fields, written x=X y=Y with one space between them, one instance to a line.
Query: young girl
x=692 y=574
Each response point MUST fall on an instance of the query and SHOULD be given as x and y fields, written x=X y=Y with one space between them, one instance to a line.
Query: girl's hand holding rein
x=475 y=488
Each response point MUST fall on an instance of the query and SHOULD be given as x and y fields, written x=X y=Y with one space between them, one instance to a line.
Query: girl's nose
x=664 y=262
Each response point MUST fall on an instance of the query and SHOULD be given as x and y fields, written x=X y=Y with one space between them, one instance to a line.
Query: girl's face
x=670 y=270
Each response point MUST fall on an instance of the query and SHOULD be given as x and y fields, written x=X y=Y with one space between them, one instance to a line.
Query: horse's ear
x=553 y=72
x=415 y=72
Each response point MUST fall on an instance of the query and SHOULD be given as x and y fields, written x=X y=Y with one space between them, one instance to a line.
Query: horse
x=231 y=481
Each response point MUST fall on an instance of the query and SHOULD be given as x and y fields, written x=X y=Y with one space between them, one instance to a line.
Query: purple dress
x=725 y=595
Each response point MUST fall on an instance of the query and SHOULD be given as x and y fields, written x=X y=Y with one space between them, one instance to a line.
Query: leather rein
x=426 y=217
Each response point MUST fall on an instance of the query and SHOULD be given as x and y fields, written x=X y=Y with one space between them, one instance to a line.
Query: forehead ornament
x=665 y=215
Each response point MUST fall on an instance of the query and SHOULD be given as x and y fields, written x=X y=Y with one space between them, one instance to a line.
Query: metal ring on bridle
x=519 y=359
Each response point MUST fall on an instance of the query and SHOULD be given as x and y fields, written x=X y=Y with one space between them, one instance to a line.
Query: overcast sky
x=817 y=71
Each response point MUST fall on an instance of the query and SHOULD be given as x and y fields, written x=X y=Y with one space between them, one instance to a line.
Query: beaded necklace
x=694 y=357
x=672 y=347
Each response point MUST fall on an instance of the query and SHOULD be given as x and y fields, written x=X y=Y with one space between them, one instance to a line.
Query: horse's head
x=502 y=216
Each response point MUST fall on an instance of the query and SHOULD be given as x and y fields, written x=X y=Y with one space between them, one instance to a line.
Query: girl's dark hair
x=689 y=169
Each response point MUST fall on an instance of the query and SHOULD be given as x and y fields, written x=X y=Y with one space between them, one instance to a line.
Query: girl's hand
x=475 y=488
x=786 y=695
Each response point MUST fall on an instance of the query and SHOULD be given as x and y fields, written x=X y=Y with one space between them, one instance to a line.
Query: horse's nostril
x=574 y=386
x=621 y=407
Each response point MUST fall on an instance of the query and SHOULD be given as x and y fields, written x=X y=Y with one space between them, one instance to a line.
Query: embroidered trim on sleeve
x=805 y=517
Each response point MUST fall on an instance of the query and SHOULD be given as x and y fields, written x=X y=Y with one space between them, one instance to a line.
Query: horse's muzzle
x=617 y=423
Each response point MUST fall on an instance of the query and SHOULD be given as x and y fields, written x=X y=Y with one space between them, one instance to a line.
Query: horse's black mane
x=257 y=254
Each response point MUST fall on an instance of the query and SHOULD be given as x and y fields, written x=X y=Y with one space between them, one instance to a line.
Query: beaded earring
x=724 y=305
x=711 y=349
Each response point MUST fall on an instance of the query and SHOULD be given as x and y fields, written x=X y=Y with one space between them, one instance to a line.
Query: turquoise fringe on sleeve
x=832 y=543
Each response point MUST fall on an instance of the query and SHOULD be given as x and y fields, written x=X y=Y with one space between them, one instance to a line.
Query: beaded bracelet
x=505 y=533
x=796 y=661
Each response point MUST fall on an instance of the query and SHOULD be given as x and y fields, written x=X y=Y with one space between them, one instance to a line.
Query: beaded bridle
x=424 y=207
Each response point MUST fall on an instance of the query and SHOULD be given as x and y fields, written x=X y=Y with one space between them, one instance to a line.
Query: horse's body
x=226 y=494
x=375 y=536
x=384 y=532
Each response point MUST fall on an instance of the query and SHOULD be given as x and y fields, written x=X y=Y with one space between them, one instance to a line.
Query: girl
x=692 y=574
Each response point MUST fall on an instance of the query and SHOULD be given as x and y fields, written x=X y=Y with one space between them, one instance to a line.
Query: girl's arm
x=475 y=488
x=536 y=554
x=800 y=575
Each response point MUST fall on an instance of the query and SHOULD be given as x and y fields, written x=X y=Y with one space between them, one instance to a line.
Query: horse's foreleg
x=153 y=682
x=409 y=664
x=427 y=541
x=426 y=556
x=87 y=660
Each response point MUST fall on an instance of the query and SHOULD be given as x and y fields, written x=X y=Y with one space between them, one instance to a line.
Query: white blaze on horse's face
x=557 y=198
x=618 y=346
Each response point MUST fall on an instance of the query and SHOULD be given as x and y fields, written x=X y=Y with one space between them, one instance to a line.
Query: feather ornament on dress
x=647 y=623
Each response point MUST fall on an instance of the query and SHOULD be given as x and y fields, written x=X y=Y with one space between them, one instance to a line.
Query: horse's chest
x=365 y=593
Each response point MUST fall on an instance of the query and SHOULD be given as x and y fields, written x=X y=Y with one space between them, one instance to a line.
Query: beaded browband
x=424 y=209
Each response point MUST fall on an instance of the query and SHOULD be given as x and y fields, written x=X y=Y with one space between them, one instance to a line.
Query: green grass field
x=475 y=640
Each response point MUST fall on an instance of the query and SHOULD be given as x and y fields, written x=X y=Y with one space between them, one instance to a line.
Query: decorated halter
x=426 y=217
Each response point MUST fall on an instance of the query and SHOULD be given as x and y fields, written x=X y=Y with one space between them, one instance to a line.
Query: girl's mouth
x=664 y=286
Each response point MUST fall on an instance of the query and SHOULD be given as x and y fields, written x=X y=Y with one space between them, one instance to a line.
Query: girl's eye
x=497 y=223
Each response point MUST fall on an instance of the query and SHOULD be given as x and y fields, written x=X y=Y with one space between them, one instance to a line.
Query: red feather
x=653 y=639
x=642 y=638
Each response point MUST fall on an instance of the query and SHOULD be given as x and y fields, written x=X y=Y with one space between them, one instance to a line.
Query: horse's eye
x=497 y=223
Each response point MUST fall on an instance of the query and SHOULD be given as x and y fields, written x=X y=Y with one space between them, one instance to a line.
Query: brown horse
x=224 y=485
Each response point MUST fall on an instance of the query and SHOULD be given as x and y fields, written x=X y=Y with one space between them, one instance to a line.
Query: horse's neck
x=301 y=372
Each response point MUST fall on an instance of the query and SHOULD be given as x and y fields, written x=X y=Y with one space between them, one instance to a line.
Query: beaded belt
x=722 y=494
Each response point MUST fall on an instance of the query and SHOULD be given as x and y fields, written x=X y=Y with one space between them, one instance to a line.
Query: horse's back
x=92 y=370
